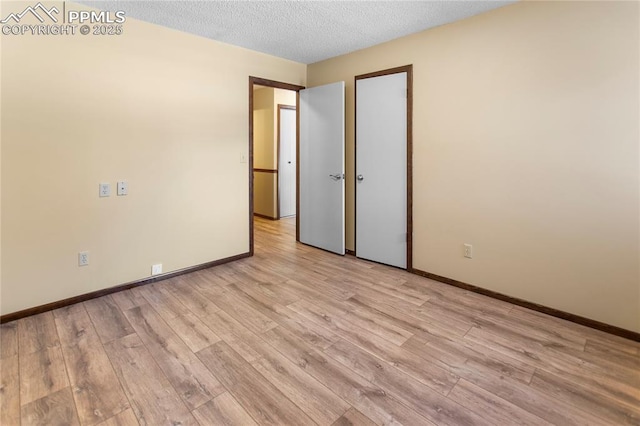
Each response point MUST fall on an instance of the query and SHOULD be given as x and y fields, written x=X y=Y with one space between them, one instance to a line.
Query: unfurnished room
x=319 y=213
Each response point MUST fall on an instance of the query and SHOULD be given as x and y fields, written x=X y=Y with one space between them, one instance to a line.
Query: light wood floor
x=297 y=336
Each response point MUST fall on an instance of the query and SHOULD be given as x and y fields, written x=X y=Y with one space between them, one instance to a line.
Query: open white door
x=381 y=169
x=321 y=213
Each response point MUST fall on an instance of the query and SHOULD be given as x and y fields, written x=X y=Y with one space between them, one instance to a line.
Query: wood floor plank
x=9 y=391
x=429 y=374
x=283 y=316
x=90 y=372
x=318 y=402
x=624 y=386
x=353 y=417
x=595 y=403
x=234 y=334
x=195 y=334
x=492 y=408
x=153 y=399
x=464 y=299
x=55 y=409
x=499 y=321
x=65 y=311
x=424 y=400
x=223 y=410
x=162 y=301
x=261 y=399
x=313 y=287
x=367 y=319
x=124 y=418
x=267 y=281
x=243 y=313
x=36 y=333
x=187 y=294
x=414 y=324
x=401 y=292
x=222 y=275
x=190 y=378
x=8 y=339
x=110 y=322
x=460 y=356
x=579 y=331
x=538 y=403
x=128 y=299
x=612 y=355
x=433 y=320
x=42 y=373
x=371 y=400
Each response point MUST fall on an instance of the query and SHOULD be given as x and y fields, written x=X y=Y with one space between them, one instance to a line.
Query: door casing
x=409 y=70
x=257 y=81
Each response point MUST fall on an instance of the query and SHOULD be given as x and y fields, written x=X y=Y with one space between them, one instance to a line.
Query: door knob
x=337 y=176
x=360 y=178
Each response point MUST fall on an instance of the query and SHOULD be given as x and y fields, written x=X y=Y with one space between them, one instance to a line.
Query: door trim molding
x=258 y=81
x=281 y=107
x=403 y=69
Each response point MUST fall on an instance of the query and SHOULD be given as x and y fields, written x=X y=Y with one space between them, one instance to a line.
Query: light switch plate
x=105 y=190
x=123 y=188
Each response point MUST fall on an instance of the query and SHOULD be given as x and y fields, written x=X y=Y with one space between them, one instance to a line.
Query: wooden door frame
x=294 y=108
x=257 y=81
x=409 y=70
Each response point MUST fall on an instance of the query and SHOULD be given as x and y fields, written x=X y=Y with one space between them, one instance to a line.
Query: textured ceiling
x=303 y=31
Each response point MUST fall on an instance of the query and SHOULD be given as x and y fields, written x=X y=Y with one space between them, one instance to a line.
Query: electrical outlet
x=468 y=251
x=123 y=188
x=156 y=269
x=105 y=189
x=83 y=258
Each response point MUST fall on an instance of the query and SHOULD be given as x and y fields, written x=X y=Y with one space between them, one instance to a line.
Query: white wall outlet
x=468 y=251
x=123 y=188
x=83 y=258
x=156 y=269
x=105 y=189
x=243 y=157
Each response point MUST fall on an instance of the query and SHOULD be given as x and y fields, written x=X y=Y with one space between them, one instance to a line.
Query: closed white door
x=381 y=169
x=287 y=161
x=321 y=214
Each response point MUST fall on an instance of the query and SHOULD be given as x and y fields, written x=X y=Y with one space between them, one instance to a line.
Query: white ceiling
x=303 y=31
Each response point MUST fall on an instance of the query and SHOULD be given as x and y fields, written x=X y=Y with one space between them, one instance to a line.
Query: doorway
x=265 y=99
x=320 y=138
x=383 y=145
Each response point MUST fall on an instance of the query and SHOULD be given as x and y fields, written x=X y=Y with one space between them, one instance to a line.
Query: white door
x=321 y=215
x=381 y=169
x=287 y=163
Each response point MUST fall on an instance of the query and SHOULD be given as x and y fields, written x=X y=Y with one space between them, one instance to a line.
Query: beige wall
x=264 y=148
x=526 y=146
x=164 y=110
x=264 y=153
x=284 y=97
